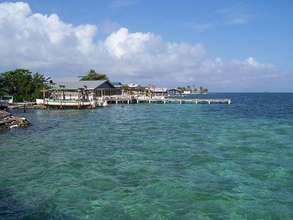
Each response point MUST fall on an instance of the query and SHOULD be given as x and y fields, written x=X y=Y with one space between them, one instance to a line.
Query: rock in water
x=4 y=114
x=9 y=121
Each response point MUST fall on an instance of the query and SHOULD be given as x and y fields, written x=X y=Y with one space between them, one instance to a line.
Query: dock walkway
x=154 y=100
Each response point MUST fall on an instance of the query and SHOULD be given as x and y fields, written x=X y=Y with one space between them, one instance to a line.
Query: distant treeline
x=189 y=88
x=22 y=84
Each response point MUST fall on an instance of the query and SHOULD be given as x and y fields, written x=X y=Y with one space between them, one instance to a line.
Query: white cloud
x=46 y=43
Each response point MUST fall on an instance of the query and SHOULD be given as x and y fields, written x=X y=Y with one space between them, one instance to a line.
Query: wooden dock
x=104 y=101
x=194 y=101
x=137 y=100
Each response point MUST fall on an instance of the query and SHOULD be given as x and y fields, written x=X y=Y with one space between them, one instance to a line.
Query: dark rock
x=9 y=121
x=4 y=114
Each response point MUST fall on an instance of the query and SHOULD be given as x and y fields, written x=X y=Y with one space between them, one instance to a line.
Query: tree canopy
x=2 y=88
x=22 y=84
x=93 y=75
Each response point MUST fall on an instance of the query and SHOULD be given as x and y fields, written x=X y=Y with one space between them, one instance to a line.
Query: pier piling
x=137 y=100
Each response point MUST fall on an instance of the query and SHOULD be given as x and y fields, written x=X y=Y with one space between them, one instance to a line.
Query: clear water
x=152 y=162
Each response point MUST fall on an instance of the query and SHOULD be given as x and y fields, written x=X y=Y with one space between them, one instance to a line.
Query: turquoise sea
x=152 y=161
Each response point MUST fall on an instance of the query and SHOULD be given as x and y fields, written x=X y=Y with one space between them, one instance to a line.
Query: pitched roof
x=90 y=84
x=173 y=89
x=158 y=89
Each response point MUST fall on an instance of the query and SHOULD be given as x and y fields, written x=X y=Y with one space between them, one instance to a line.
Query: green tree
x=39 y=82
x=23 y=85
x=93 y=75
x=2 y=87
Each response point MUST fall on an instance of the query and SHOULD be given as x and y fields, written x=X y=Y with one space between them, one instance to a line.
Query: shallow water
x=152 y=162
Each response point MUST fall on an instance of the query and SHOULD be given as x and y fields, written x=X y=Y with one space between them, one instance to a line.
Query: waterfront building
x=78 y=94
x=6 y=99
x=117 y=84
x=174 y=92
x=155 y=91
x=133 y=89
x=132 y=85
x=84 y=90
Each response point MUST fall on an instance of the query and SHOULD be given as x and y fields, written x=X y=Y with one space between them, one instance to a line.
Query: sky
x=225 y=45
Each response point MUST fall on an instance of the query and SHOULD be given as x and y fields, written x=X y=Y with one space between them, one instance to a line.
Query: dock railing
x=162 y=100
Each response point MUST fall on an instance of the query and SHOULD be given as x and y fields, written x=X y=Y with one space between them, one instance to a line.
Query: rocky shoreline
x=7 y=121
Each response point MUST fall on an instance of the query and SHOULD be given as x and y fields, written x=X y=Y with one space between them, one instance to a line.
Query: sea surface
x=152 y=161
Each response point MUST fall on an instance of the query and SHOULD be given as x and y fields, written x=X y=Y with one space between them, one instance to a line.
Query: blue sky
x=266 y=30
x=232 y=31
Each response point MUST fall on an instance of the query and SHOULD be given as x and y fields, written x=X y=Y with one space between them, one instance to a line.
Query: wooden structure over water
x=92 y=94
x=63 y=104
x=137 y=100
x=104 y=101
x=78 y=94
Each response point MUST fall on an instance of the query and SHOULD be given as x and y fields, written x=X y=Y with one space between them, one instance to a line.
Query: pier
x=106 y=100
x=159 y=100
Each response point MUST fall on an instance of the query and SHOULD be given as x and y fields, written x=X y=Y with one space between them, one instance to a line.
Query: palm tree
x=93 y=75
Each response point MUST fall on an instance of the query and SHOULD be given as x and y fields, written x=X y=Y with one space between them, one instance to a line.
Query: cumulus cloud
x=46 y=43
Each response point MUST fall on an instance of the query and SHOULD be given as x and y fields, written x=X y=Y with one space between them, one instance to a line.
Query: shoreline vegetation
x=22 y=89
x=25 y=86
